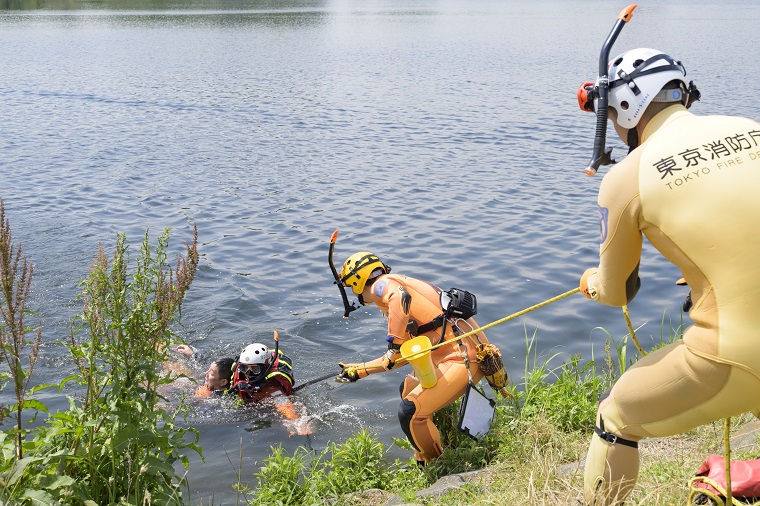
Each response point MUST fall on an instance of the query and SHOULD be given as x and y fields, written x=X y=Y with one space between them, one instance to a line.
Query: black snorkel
x=601 y=90
x=348 y=306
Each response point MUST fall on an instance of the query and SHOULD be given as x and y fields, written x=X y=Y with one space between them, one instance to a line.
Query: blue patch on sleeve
x=604 y=214
x=379 y=287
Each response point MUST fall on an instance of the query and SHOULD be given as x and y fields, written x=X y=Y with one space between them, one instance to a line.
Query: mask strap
x=628 y=79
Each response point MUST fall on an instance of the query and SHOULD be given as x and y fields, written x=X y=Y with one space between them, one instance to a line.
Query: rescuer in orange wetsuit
x=690 y=185
x=413 y=308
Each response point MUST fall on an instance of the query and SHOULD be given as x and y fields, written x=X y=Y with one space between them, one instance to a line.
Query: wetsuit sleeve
x=617 y=280
x=381 y=364
x=394 y=300
x=398 y=301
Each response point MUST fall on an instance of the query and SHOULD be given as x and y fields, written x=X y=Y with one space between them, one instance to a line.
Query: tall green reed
x=116 y=444
x=130 y=443
x=18 y=350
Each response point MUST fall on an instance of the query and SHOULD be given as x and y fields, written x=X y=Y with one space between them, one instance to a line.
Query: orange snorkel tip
x=627 y=13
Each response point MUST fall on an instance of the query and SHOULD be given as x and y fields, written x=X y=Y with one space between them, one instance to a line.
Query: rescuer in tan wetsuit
x=413 y=308
x=691 y=187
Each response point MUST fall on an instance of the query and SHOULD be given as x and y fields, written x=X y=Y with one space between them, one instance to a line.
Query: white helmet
x=255 y=354
x=254 y=361
x=637 y=78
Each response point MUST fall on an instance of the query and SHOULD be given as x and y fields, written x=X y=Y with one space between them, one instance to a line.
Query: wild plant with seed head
x=17 y=349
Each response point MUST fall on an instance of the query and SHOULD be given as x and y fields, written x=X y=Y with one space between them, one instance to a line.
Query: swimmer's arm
x=185 y=349
x=286 y=408
x=284 y=405
x=190 y=351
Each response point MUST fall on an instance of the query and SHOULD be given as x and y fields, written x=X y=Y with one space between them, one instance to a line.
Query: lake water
x=444 y=136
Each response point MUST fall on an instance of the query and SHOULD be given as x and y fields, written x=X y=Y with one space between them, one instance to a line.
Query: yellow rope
x=727 y=459
x=696 y=490
x=630 y=330
x=724 y=497
x=492 y=324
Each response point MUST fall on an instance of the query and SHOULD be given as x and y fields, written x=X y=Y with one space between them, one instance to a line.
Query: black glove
x=349 y=372
x=687 y=303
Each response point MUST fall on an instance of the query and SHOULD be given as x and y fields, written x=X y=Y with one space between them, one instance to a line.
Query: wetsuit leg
x=420 y=403
x=670 y=391
x=409 y=384
x=406 y=412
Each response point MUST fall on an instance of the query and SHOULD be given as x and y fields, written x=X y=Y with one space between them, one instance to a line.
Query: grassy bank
x=532 y=456
x=117 y=445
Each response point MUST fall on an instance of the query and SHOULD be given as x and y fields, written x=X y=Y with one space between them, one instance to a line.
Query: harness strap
x=612 y=438
x=433 y=324
x=463 y=352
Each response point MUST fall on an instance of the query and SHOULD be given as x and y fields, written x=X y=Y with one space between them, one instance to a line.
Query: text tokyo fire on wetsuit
x=691 y=188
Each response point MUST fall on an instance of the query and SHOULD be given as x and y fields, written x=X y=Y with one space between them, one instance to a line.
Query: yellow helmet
x=358 y=269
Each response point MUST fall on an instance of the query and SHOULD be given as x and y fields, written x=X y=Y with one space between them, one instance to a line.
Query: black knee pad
x=401 y=388
x=406 y=412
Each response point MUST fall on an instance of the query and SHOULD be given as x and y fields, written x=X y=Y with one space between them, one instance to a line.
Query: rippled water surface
x=443 y=136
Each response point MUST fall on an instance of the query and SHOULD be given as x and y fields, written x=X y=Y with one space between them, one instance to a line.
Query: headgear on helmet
x=360 y=268
x=254 y=361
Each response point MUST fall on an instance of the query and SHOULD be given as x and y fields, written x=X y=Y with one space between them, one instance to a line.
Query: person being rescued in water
x=413 y=308
x=256 y=375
